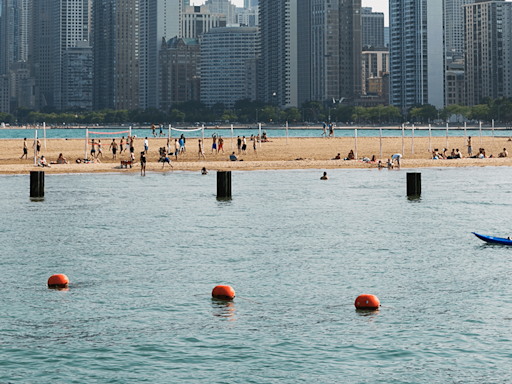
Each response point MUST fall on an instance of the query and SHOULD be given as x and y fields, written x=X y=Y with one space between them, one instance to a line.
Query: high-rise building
x=43 y=51
x=284 y=74
x=454 y=27
x=5 y=94
x=335 y=50
x=158 y=19
x=350 y=72
x=488 y=47
x=71 y=24
x=372 y=28
x=223 y=7
x=77 y=79
x=116 y=54
x=250 y=3
x=416 y=53
x=14 y=33
x=225 y=53
x=197 y=20
x=247 y=17
x=375 y=65
x=179 y=72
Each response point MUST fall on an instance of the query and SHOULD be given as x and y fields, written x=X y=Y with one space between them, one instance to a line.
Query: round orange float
x=223 y=292
x=58 y=281
x=367 y=302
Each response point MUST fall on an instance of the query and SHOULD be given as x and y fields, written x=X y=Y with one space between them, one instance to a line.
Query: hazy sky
x=377 y=5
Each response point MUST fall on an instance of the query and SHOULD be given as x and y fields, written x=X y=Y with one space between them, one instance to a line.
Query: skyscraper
x=280 y=52
x=372 y=28
x=416 y=53
x=488 y=46
x=454 y=27
x=116 y=54
x=350 y=72
x=225 y=53
x=158 y=19
x=71 y=24
x=14 y=33
x=43 y=50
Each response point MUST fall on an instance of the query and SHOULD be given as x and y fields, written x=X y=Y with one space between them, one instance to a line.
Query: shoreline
x=300 y=153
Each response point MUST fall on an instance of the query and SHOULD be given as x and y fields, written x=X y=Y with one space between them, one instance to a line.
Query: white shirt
x=146 y=143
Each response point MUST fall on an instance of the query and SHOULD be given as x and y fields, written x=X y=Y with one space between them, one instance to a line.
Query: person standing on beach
x=100 y=150
x=221 y=144
x=177 y=147
x=153 y=129
x=25 y=149
x=121 y=145
x=161 y=132
x=214 y=143
x=244 y=145
x=38 y=146
x=331 y=130
x=132 y=144
x=182 y=144
x=239 y=144
x=113 y=146
x=255 y=145
x=142 y=164
x=201 y=150
x=93 y=149
x=470 y=150
x=146 y=145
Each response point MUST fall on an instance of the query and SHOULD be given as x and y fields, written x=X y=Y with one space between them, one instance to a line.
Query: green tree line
x=246 y=111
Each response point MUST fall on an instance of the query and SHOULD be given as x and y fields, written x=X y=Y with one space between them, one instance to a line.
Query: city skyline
x=377 y=5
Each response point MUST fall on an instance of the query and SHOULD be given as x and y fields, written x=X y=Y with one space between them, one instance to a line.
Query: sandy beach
x=299 y=153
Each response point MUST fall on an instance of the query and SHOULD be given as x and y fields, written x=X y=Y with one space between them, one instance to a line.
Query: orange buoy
x=223 y=292
x=367 y=302
x=58 y=281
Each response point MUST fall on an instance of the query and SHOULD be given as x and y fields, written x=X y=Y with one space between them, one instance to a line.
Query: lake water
x=79 y=133
x=143 y=255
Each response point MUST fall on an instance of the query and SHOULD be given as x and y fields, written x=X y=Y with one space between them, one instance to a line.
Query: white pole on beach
x=412 y=141
x=232 y=147
x=130 y=133
x=35 y=148
x=202 y=136
x=169 y=140
x=403 y=145
x=430 y=137
x=44 y=133
x=380 y=135
x=480 y=132
x=260 y=132
x=447 y=136
x=355 y=143
x=286 y=133
x=86 y=141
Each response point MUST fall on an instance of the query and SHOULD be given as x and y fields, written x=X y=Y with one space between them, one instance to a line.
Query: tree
x=177 y=116
x=6 y=118
x=479 y=112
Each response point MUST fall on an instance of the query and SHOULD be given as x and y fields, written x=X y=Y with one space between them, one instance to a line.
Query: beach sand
x=300 y=153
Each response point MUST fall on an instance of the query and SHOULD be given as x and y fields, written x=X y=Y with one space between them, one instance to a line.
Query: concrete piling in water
x=413 y=184
x=36 y=184
x=224 y=185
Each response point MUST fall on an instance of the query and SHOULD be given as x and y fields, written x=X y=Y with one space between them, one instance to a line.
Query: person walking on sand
x=201 y=149
x=38 y=146
x=182 y=144
x=25 y=149
x=93 y=149
x=239 y=144
x=146 y=145
x=153 y=130
x=113 y=146
x=121 y=145
x=142 y=164
x=324 y=133
x=255 y=145
x=100 y=150
x=470 y=149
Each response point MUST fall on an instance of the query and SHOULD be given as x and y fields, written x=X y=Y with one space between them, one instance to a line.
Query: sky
x=377 y=5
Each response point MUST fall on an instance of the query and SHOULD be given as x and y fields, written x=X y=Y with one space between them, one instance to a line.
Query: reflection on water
x=224 y=309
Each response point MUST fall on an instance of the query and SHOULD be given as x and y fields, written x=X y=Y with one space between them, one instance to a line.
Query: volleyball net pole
x=430 y=138
x=86 y=141
x=35 y=148
x=260 y=133
x=202 y=136
x=232 y=137
x=380 y=137
x=447 y=136
x=403 y=145
x=412 y=141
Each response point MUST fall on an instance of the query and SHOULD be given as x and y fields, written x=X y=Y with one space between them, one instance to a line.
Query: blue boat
x=493 y=240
